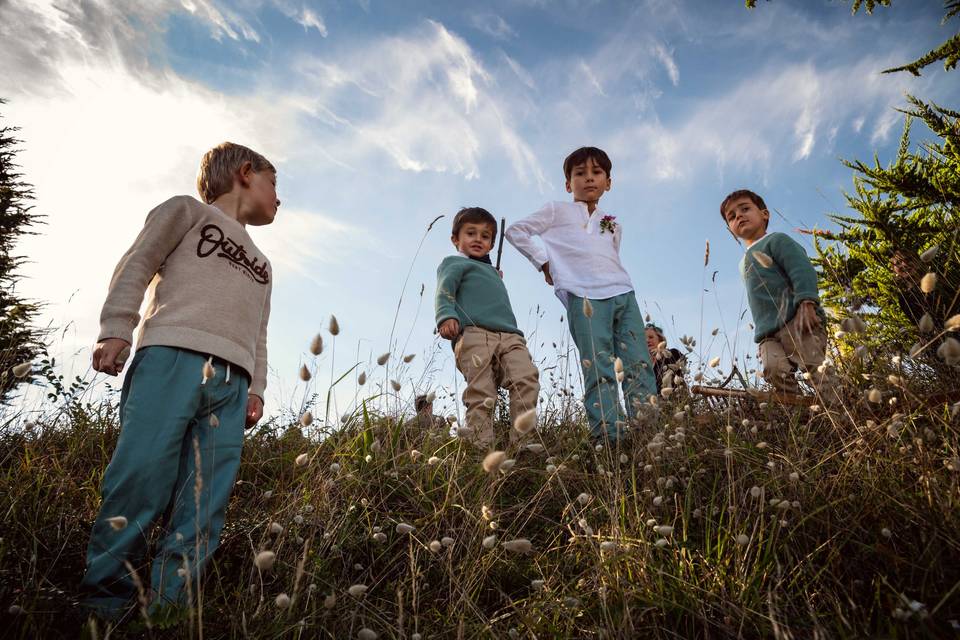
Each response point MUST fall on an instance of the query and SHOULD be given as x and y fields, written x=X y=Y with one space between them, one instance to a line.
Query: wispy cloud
x=493 y=25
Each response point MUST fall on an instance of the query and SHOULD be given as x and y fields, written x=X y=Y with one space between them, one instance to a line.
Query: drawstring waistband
x=226 y=379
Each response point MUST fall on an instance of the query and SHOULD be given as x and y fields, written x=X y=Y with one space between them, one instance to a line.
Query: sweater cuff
x=257 y=388
x=116 y=329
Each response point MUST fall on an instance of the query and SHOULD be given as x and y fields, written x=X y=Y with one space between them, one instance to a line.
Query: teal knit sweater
x=473 y=293
x=777 y=282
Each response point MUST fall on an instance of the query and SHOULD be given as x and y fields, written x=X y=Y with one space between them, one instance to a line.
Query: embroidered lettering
x=212 y=238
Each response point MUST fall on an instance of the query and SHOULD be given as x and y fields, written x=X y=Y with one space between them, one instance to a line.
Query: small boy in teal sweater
x=473 y=310
x=782 y=292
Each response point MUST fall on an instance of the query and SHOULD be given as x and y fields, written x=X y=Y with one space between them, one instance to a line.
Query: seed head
x=302 y=459
x=755 y=491
x=447 y=541
x=930 y=253
x=357 y=590
x=742 y=539
x=526 y=422
x=520 y=545
x=507 y=465
x=875 y=396
x=715 y=362
x=536 y=584
x=334 y=326
x=435 y=546
x=264 y=560
x=382 y=360
x=21 y=370
x=305 y=373
x=661 y=543
x=949 y=351
x=763 y=259
x=276 y=528
x=489 y=542
x=208 y=370
x=664 y=530
x=587 y=308
x=282 y=601
x=367 y=634
x=952 y=323
x=403 y=528
x=493 y=461
x=928 y=282
x=316 y=345
x=306 y=419
x=407 y=359
x=535 y=447
x=432 y=460
x=362 y=378
x=118 y=522
x=395 y=385
x=886 y=533
x=330 y=601
x=608 y=546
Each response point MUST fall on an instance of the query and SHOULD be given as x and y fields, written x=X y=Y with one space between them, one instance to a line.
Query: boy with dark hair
x=196 y=380
x=580 y=257
x=473 y=309
x=782 y=292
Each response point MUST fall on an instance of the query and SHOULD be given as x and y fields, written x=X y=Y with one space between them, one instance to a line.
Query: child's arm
x=449 y=275
x=258 y=382
x=162 y=232
x=520 y=235
x=803 y=280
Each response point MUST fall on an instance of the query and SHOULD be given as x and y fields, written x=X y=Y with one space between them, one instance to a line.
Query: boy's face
x=588 y=181
x=475 y=239
x=745 y=220
x=263 y=197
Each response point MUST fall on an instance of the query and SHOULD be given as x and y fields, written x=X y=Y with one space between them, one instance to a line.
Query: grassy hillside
x=749 y=521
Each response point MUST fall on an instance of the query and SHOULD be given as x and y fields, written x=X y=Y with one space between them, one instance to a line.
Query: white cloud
x=777 y=114
x=666 y=59
x=492 y=25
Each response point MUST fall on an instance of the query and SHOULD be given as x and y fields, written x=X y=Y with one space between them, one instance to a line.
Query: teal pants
x=615 y=330
x=171 y=467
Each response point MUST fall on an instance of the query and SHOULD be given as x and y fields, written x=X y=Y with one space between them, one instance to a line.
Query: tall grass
x=747 y=522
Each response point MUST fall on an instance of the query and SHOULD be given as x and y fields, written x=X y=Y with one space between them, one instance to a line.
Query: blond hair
x=219 y=166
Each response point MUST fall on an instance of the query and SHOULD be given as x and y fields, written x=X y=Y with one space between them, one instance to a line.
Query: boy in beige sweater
x=196 y=380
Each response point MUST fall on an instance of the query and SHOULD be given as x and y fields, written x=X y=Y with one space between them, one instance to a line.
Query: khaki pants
x=787 y=350
x=491 y=359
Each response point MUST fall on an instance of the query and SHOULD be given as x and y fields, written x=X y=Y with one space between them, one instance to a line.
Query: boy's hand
x=449 y=328
x=807 y=319
x=501 y=273
x=110 y=355
x=546 y=273
x=254 y=410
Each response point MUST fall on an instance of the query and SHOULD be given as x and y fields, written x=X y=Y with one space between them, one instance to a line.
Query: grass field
x=746 y=521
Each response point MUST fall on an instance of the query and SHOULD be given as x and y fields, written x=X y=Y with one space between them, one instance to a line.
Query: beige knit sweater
x=209 y=288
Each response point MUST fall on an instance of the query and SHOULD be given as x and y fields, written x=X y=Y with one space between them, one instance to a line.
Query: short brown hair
x=475 y=215
x=581 y=155
x=736 y=195
x=220 y=164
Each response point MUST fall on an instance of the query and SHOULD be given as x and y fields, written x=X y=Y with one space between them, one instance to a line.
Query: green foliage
x=20 y=340
x=874 y=266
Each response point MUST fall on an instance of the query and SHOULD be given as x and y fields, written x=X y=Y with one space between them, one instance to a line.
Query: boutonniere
x=608 y=223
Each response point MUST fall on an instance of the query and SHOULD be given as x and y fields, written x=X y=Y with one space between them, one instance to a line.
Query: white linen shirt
x=583 y=260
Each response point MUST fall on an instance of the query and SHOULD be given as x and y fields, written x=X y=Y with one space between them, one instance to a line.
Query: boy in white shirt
x=580 y=257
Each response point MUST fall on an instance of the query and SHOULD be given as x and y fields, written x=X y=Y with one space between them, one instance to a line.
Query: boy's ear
x=245 y=173
x=569 y=190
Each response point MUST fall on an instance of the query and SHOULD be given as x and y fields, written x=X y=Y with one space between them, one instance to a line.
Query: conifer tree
x=20 y=340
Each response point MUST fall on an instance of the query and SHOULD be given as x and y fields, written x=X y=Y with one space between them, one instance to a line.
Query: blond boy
x=196 y=380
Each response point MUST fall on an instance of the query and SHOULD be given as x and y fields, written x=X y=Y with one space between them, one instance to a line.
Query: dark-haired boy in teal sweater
x=782 y=292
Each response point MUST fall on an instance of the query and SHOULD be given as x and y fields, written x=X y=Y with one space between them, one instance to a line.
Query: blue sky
x=383 y=115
